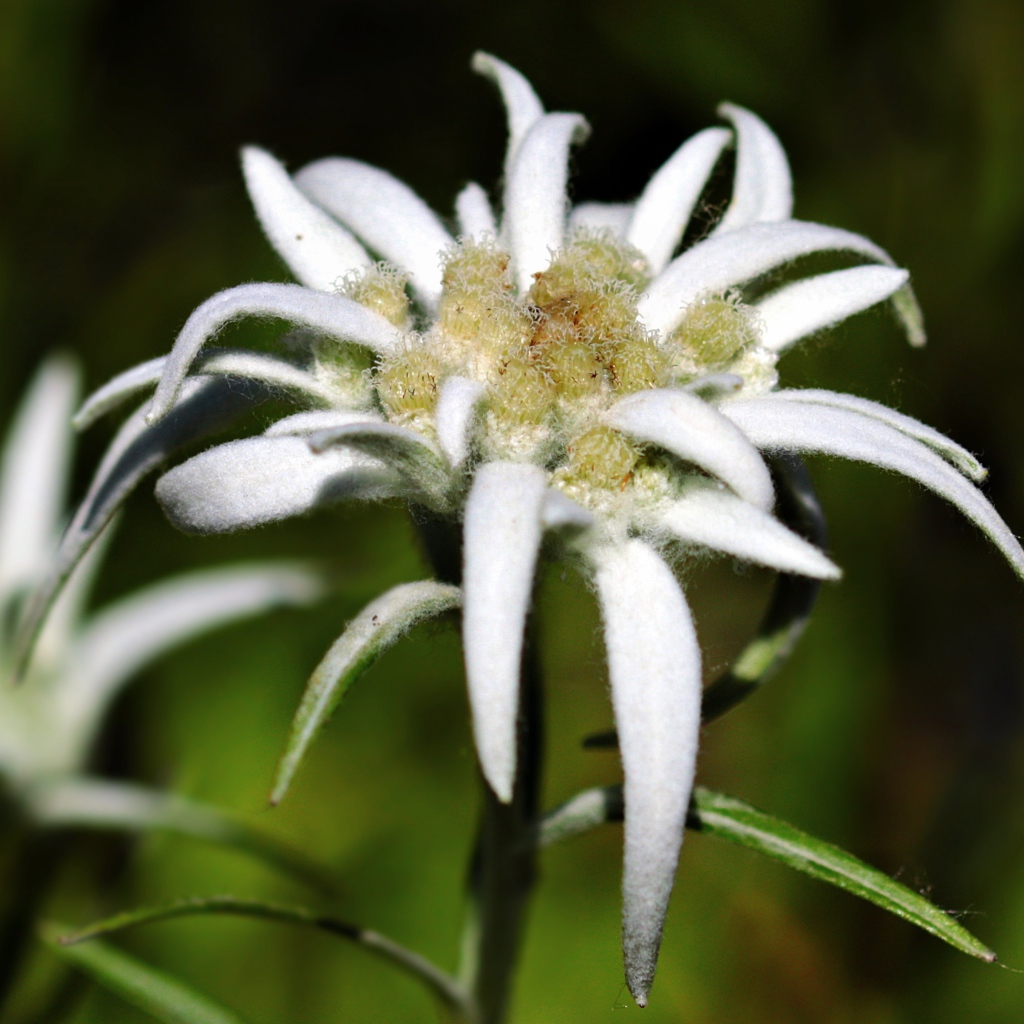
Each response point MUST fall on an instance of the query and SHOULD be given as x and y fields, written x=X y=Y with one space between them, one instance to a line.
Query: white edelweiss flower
x=51 y=717
x=554 y=369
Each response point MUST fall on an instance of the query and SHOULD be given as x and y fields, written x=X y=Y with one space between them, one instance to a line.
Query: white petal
x=908 y=310
x=535 y=196
x=561 y=512
x=502 y=537
x=613 y=217
x=762 y=188
x=799 y=309
x=385 y=213
x=260 y=480
x=796 y=426
x=731 y=259
x=206 y=405
x=129 y=634
x=521 y=103
x=654 y=665
x=455 y=416
x=414 y=458
x=33 y=473
x=333 y=315
x=305 y=424
x=474 y=213
x=666 y=204
x=945 y=446
x=317 y=249
x=716 y=519
x=697 y=432
x=238 y=363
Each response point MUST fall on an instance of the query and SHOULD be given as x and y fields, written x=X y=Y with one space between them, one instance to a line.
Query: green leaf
x=99 y=804
x=366 y=637
x=740 y=823
x=441 y=984
x=152 y=991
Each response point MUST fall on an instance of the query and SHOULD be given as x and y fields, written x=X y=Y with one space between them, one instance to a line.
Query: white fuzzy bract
x=558 y=371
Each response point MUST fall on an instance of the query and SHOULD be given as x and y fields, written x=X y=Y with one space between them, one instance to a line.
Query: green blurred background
x=898 y=728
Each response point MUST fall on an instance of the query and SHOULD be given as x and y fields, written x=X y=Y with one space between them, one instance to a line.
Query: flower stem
x=503 y=870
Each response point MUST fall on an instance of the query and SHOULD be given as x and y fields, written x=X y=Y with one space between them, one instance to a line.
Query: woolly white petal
x=795 y=426
x=666 y=204
x=522 y=106
x=715 y=518
x=333 y=315
x=456 y=413
x=725 y=260
x=945 y=446
x=260 y=480
x=762 y=185
x=385 y=213
x=239 y=363
x=317 y=249
x=799 y=309
x=305 y=424
x=613 y=217
x=33 y=472
x=535 y=196
x=654 y=666
x=501 y=540
x=474 y=213
x=561 y=512
x=127 y=635
x=695 y=431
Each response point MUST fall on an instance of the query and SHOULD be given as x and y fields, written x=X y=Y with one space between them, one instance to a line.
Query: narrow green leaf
x=366 y=637
x=441 y=984
x=145 y=987
x=100 y=804
x=740 y=823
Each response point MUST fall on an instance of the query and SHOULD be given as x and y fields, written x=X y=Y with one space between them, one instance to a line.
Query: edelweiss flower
x=49 y=721
x=559 y=371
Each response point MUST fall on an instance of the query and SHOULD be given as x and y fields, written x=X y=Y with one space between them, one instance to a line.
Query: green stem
x=503 y=870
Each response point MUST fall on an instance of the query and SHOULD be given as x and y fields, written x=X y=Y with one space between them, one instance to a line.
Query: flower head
x=555 y=371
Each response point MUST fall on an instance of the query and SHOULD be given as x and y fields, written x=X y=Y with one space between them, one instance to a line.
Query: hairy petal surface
x=535 y=196
x=366 y=637
x=693 y=430
x=952 y=452
x=474 y=213
x=810 y=305
x=239 y=363
x=522 y=106
x=501 y=541
x=456 y=414
x=305 y=424
x=667 y=203
x=787 y=425
x=333 y=315
x=259 y=480
x=386 y=214
x=722 y=261
x=654 y=665
x=317 y=249
x=762 y=188
x=716 y=519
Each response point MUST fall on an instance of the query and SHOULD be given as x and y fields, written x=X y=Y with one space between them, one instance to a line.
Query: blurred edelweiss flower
x=560 y=371
x=49 y=721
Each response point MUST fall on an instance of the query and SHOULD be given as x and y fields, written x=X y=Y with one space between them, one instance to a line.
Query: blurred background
x=897 y=730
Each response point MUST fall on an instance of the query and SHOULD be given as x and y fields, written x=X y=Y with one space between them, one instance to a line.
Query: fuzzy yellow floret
x=715 y=331
x=381 y=288
x=638 y=363
x=407 y=383
x=522 y=395
x=600 y=458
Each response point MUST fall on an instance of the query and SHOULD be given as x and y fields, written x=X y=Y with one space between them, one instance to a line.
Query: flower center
x=551 y=361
